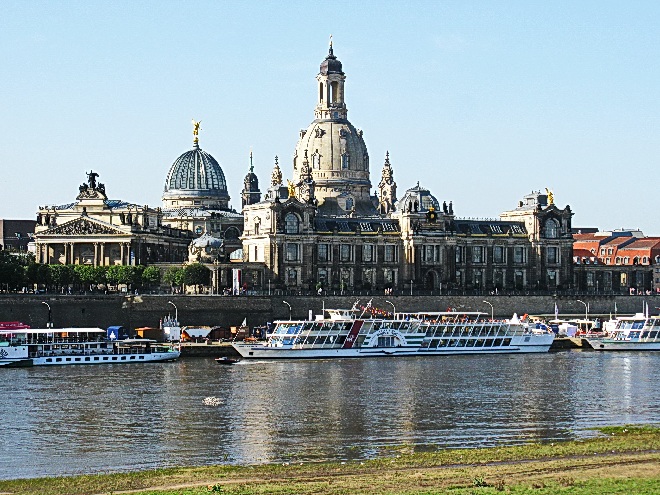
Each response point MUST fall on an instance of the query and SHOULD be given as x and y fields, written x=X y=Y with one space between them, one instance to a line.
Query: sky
x=481 y=102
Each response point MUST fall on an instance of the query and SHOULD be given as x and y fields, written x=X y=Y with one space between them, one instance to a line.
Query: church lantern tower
x=387 y=188
x=251 y=193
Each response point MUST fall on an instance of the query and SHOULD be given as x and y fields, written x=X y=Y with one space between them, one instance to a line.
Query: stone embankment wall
x=146 y=311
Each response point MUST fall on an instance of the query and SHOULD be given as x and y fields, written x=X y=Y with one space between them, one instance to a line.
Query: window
x=346 y=252
x=323 y=275
x=429 y=251
x=390 y=253
x=551 y=229
x=292 y=276
x=459 y=254
x=344 y=161
x=552 y=254
x=349 y=203
x=519 y=255
x=324 y=252
x=316 y=161
x=256 y=226
x=368 y=253
x=292 y=251
x=477 y=254
x=291 y=224
x=498 y=254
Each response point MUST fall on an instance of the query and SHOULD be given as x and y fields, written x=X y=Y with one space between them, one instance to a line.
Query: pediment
x=83 y=226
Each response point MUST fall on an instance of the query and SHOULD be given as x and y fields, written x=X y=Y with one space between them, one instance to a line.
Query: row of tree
x=18 y=271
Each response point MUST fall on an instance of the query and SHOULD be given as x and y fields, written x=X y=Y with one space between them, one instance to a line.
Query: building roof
x=195 y=174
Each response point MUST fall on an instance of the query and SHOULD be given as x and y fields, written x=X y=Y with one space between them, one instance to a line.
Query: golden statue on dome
x=196 y=128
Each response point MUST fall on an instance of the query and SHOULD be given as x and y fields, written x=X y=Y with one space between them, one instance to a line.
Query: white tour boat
x=347 y=334
x=632 y=333
x=61 y=346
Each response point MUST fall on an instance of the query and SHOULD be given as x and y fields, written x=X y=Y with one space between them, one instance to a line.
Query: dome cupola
x=195 y=178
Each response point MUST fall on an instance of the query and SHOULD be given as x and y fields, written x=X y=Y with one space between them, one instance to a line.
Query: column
x=121 y=253
x=96 y=254
x=102 y=254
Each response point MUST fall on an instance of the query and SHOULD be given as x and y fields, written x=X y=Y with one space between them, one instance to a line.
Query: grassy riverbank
x=621 y=460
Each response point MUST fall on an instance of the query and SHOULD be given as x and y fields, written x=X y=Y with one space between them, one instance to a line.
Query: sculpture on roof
x=196 y=129
x=91 y=179
x=292 y=188
x=551 y=197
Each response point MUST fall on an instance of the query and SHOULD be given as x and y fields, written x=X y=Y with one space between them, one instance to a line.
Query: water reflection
x=112 y=418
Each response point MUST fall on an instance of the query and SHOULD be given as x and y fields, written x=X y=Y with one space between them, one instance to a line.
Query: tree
x=151 y=276
x=12 y=271
x=173 y=276
x=196 y=274
x=38 y=274
x=61 y=275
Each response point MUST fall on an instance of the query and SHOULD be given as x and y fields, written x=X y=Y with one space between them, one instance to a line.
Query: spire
x=251 y=165
x=387 y=187
x=276 y=176
x=330 y=53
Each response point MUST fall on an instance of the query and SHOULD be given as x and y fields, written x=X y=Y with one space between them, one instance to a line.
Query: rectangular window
x=390 y=253
x=459 y=254
x=324 y=252
x=519 y=255
x=498 y=254
x=292 y=252
x=552 y=279
x=477 y=254
x=368 y=253
x=552 y=254
x=346 y=252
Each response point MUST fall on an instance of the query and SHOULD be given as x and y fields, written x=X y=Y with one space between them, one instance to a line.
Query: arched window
x=316 y=161
x=232 y=233
x=320 y=91
x=335 y=91
x=291 y=224
x=344 y=161
x=349 y=204
x=551 y=229
x=257 y=222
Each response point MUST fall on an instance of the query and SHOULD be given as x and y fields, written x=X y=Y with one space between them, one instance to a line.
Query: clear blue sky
x=481 y=102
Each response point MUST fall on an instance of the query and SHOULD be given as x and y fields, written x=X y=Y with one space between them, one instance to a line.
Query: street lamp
x=393 y=308
x=586 y=309
x=289 y=309
x=176 y=311
x=492 y=313
x=50 y=323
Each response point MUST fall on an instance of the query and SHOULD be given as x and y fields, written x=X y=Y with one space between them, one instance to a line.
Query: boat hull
x=263 y=352
x=619 y=345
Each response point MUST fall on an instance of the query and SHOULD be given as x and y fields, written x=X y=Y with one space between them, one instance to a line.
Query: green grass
x=617 y=460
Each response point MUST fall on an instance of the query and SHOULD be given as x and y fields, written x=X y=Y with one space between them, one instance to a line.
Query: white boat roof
x=33 y=331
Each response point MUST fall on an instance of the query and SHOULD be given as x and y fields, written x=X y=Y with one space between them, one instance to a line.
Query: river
x=108 y=418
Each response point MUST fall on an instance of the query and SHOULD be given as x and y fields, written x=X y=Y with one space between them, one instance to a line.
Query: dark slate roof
x=331 y=64
x=355 y=225
x=487 y=227
x=197 y=212
x=113 y=204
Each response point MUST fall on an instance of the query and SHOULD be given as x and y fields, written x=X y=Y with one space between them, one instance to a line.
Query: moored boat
x=226 y=360
x=63 y=346
x=348 y=333
x=632 y=333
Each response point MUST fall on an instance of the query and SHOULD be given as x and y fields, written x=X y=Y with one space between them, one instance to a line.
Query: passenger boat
x=62 y=346
x=347 y=333
x=632 y=333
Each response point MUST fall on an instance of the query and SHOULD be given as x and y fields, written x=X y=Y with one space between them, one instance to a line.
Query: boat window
x=506 y=342
x=49 y=360
x=341 y=339
x=471 y=343
x=96 y=358
x=497 y=342
x=140 y=357
x=425 y=344
x=443 y=343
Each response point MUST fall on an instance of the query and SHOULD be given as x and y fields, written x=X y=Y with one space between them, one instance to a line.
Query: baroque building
x=324 y=229
x=95 y=230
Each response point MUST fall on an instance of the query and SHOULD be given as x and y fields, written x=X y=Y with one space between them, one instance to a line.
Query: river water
x=108 y=418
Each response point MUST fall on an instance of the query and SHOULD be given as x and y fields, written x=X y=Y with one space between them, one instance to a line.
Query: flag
x=244 y=324
x=556 y=312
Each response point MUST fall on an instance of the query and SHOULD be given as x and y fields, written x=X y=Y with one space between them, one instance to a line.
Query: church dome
x=196 y=175
x=417 y=199
x=331 y=64
x=331 y=151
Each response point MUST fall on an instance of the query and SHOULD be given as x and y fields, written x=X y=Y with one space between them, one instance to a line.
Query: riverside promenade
x=134 y=311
